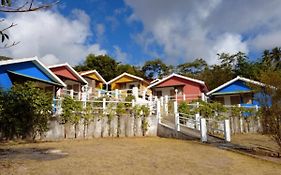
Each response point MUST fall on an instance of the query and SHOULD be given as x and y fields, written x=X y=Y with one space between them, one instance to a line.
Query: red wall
x=64 y=72
x=190 y=87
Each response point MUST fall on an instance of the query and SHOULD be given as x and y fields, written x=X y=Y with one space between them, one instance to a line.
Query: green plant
x=120 y=110
x=185 y=108
x=144 y=123
x=109 y=113
x=72 y=112
x=212 y=110
x=129 y=98
x=25 y=111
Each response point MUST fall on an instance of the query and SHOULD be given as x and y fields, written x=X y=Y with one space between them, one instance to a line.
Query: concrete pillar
x=84 y=99
x=175 y=107
x=184 y=98
x=227 y=133
x=203 y=130
x=135 y=92
x=71 y=93
x=158 y=111
x=103 y=104
x=162 y=101
x=203 y=97
x=133 y=103
x=166 y=104
x=197 y=119
x=241 y=125
x=177 y=122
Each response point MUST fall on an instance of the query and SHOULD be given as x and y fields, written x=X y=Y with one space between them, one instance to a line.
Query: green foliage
x=71 y=110
x=104 y=64
x=213 y=110
x=271 y=115
x=6 y=2
x=121 y=68
x=156 y=69
x=193 y=68
x=120 y=109
x=88 y=113
x=130 y=98
x=25 y=111
x=185 y=108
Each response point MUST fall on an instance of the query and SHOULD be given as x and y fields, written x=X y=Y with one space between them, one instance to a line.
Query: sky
x=134 y=31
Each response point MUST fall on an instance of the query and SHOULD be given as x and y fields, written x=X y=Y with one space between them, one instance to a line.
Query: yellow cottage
x=94 y=79
x=127 y=81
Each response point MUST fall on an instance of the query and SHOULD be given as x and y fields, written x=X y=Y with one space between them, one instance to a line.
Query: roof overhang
x=129 y=75
x=232 y=81
x=79 y=77
x=179 y=76
x=42 y=67
x=91 y=72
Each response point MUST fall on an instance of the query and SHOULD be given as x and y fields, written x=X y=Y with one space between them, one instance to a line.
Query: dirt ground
x=127 y=156
x=255 y=140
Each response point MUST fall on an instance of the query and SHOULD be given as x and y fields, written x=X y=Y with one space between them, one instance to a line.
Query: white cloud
x=190 y=29
x=51 y=36
x=100 y=30
x=119 y=55
x=267 y=41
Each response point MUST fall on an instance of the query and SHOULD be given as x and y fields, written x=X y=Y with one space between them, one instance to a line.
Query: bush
x=185 y=108
x=25 y=111
x=271 y=111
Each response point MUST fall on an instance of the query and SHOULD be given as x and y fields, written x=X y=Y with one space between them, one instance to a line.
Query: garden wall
x=102 y=127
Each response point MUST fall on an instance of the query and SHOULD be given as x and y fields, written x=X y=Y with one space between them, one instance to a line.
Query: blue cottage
x=28 y=69
x=237 y=91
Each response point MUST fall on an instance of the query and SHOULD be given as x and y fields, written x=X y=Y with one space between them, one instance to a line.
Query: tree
x=121 y=68
x=216 y=75
x=104 y=64
x=156 y=69
x=9 y=6
x=26 y=110
x=271 y=59
x=192 y=69
x=271 y=107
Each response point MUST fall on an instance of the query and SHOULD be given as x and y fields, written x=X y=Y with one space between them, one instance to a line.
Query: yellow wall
x=124 y=79
x=93 y=76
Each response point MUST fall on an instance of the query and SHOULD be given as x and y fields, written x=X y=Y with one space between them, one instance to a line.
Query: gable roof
x=179 y=76
x=129 y=75
x=79 y=77
x=234 y=80
x=84 y=73
x=40 y=65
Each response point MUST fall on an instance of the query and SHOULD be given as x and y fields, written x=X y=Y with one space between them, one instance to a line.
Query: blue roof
x=235 y=87
x=24 y=69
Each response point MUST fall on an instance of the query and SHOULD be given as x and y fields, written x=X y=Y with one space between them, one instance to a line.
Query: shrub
x=25 y=111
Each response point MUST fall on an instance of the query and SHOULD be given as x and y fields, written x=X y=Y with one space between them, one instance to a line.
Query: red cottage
x=75 y=82
x=179 y=87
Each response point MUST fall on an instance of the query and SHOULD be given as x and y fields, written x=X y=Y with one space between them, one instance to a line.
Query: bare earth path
x=128 y=156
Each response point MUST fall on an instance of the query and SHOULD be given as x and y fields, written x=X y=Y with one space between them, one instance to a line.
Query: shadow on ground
x=31 y=154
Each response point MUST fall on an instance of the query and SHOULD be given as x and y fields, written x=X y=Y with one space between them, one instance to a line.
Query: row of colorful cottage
x=63 y=79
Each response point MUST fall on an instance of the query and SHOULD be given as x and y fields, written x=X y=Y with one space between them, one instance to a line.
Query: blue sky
x=135 y=31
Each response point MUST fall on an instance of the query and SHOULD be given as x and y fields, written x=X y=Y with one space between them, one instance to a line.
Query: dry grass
x=255 y=140
x=128 y=156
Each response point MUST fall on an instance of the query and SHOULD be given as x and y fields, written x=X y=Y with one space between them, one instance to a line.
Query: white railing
x=189 y=121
